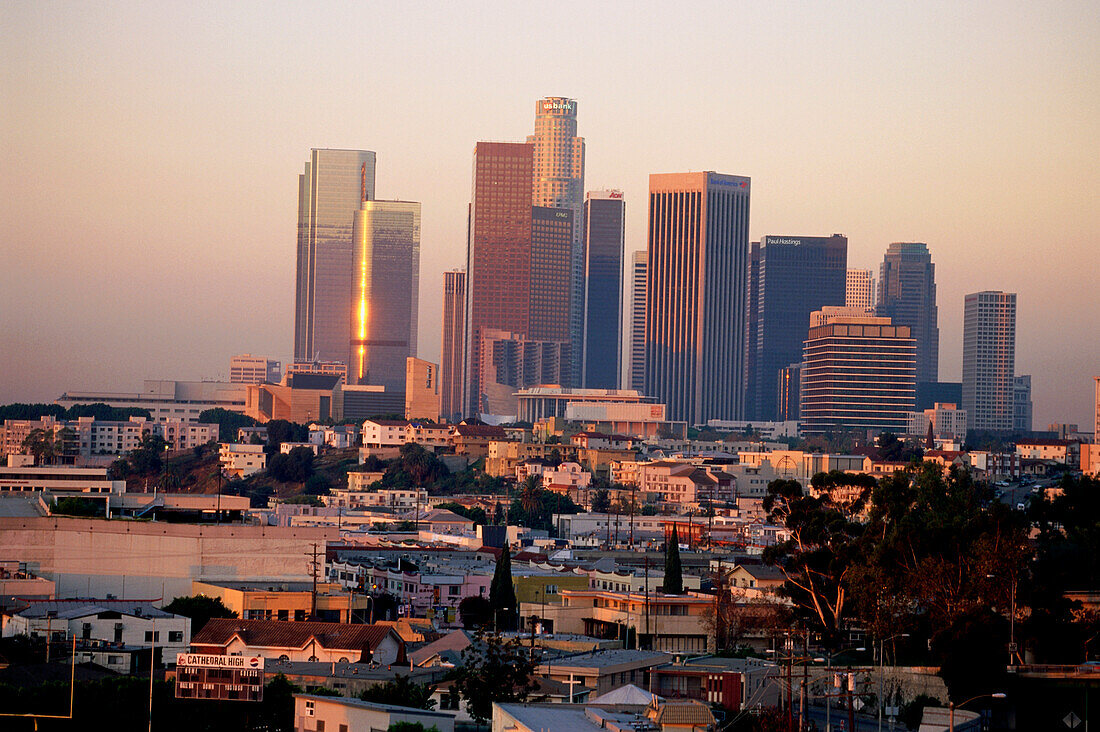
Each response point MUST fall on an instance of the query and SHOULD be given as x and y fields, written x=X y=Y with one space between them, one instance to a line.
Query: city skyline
x=184 y=200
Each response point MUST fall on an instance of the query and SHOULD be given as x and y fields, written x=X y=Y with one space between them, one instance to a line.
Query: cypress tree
x=674 y=582
x=502 y=594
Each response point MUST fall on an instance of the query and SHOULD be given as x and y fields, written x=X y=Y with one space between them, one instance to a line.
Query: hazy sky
x=150 y=154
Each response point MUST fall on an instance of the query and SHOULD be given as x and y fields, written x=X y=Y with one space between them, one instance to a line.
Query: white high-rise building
x=558 y=182
x=989 y=360
x=859 y=289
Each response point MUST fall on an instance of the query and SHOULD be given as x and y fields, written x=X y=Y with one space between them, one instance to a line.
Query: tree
x=817 y=558
x=78 y=507
x=475 y=612
x=147 y=457
x=229 y=423
x=295 y=466
x=199 y=608
x=502 y=593
x=410 y=726
x=401 y=692
x=601 y=501
x=493 y=670
x=475 y=514
x=673 y=583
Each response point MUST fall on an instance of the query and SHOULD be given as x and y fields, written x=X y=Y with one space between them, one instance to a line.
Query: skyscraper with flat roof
x=640 y=264
x=498 y=258
x=452 y=353
x=558 y=182
x=695 y=294
x=385 y=292
x=989 y=360
x=858 y=372
x=330 y=191
x=604 y=218
x=551 y=249
x=907 y=295
x=796 y=275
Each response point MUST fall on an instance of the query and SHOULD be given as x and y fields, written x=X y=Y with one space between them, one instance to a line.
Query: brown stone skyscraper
x=558 y=182
x=498 y=256
x=695 y=294
x=452 y=367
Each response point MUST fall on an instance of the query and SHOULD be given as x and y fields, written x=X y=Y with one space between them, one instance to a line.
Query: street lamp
x=881 y=670
x=952 y=705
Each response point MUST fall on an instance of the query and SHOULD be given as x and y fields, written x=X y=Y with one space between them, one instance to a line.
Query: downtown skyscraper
x=558 y=182
x=796 y=275
x=452 y=365
x=604 y=219
x=330 y=192
x=989 y=360
x=385 y=292
x=695 y=294
x=907 y=295
x=638 y=276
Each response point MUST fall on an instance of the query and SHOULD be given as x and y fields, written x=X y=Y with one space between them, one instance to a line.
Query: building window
x=175 y=636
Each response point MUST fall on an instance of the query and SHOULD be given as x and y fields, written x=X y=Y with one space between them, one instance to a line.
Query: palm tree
x=530 y=496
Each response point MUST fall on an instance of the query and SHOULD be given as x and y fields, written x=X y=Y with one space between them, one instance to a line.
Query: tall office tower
x=453 y=367
x=385 y=292
x=858 y=372
x=989 y=360
x=551 y=246
x=332 y=188
x=860 y=289
x=498 y=252
x=1021 y=404
x=695 y=294
x=907 y=295
x=558 y=182
x=604 y=217
x=797 y=275
x=636 y=377
x=752 y=323
x=249 y=369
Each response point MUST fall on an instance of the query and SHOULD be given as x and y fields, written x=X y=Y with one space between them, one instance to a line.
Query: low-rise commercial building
x=254 y=600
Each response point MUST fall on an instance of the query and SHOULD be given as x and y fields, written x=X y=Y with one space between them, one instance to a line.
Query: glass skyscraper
x=796 y=275
x=330 y=192
x=604 y=216
x=558 y=182
x=385 y=292
x=907 y=295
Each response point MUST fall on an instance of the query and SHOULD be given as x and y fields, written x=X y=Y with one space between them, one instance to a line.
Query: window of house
x=175 y=636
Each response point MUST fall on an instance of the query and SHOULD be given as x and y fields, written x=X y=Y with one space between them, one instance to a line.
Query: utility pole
x=313 y=595
x=632 y=489
x=647 y=603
